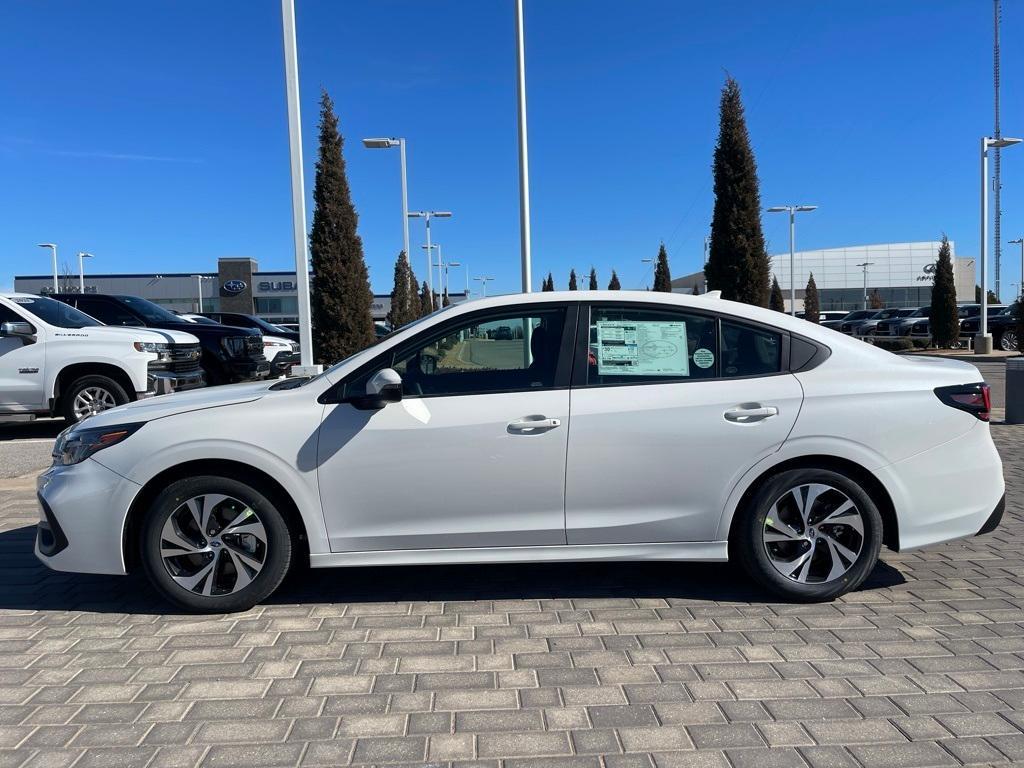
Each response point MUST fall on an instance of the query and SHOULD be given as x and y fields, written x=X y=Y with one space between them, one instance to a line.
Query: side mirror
x=17 y=329
x=385 y=386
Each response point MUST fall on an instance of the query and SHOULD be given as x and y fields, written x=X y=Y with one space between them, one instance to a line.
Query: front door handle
x=750 y=414
x=533 y=424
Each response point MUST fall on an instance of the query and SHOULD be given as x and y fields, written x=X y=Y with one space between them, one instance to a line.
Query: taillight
x=976 y=399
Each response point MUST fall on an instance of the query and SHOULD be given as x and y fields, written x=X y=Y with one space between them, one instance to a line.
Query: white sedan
x=551 y=426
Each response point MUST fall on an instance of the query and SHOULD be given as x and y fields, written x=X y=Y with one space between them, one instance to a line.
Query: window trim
x=580 y=366
x=563 y=368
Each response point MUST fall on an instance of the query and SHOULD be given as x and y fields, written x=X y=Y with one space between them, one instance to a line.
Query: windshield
x=861 y=314
x=150 y=312
x=921 y=312
x=264 y=326
x=54 y=312
x=200 y=320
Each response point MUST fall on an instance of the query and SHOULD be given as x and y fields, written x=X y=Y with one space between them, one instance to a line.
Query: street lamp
x=983 y=341
x=53 y=249
x=646 y=261
x=400 y=143
x=81 y=270
x=483 y=283
x=524 y=163
x=427 y=216
x=865 y=265
x=792 y=210
x=199 y=286
x=465 y=267
x=1020 y=241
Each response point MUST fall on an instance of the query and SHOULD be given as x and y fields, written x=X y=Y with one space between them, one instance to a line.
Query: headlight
x=79 y=443
x=234 y=346
x=160 y=349
x=268 y=343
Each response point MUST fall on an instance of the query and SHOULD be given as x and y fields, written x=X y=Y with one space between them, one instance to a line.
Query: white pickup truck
x=55 y=360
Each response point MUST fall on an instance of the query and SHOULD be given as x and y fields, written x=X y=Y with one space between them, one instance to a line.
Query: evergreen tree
x=446 y=302
x=426 y=307
x=875 y=300
x=404 y=303
x=776 y=302
x=613 y=284
x=943 y=319
x=992 y=298
x=812 y=307
x=695 y=291
x=548 y=284
x=738 y=263
x=342 y=321
x=593 y=280
x=662 y=276
x=572 y=280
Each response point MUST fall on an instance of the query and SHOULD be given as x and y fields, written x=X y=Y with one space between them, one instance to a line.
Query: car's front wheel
x=90 y=395
x=809 y=534
x=215 y=545
x=1008 y=341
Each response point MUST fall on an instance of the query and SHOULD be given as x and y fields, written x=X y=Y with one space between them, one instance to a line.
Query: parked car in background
x=240 y=320
x=868 y=327
x=57 y=361
x=855 y=320
x=229 y=354
x=1002 y=326
x=857 y=314
x=825 y=315
x=280 y=352
x=901 y=326
x=720 y=431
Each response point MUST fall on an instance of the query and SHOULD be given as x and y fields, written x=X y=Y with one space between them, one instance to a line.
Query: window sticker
x=632 y=348
x=703 y=358
x=22 y=300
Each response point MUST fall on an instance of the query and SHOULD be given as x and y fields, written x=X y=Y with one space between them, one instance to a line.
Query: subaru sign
x=234 y=287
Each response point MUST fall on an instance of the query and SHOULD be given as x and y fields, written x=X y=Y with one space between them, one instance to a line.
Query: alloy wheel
x=1008 y=341
x=213 y=545
x=92 y=400
x=813 y=533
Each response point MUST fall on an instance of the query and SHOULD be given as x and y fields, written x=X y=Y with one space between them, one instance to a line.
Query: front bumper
x=83 y=509
x=164 y=382
x=282 y=363
x=248 y=370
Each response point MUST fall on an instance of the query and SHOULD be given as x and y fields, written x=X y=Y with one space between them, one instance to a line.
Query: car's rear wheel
x=1008 y=341
x=89 y=395
x=215 y=545
x=809 y=534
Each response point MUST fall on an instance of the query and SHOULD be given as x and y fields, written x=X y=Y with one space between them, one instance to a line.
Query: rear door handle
x=750 y=415
x=532 y=424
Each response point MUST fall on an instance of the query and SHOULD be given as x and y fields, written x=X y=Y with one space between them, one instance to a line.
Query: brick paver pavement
x=618 y=665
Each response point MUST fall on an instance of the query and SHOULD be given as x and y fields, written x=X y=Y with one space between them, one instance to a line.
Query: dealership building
x=237 y=286
x=900 y=272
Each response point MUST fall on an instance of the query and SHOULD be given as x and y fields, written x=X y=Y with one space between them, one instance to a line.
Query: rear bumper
x=994 y=519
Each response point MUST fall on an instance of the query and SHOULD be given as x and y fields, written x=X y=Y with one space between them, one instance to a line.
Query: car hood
x=118 y=333
x=180 y=402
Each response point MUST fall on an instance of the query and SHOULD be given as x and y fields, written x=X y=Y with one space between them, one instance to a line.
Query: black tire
x=277 y=554
x=749 y=547
x=94 y=383
x=1007 y=341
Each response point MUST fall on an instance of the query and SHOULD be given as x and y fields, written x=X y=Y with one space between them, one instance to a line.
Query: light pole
x=1020 y=241
x=400 y=143
x=483 y=283
x=646 y=261
x=427 y=216
x=865 y=265
x=81 y=270
x=524 y=164
x=983 y=342
x=792 y=210
x=465 y=267
x=430 y=258
x=199 y=287
x=53 y=249
x=291 y=81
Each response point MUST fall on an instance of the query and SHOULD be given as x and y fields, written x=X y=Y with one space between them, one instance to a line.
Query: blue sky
x=153 y=134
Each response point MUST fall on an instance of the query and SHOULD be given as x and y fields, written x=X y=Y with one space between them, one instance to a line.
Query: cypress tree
x=425 y=301
x=943 y=319
x=662 y=276
x=812 y=307
x=402 y=294
x=776 y=302
x=613 y=284
x=738 y=264
x=593 y=280
x=572 y=280
x=548 y=283
x=695 y=292
x=875 y=300
x=342 y=321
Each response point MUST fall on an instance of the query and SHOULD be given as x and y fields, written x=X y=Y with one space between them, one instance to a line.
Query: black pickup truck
x=229 y=354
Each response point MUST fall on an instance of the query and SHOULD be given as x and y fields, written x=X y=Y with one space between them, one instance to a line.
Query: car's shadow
x=31 y=430
x=25 y=584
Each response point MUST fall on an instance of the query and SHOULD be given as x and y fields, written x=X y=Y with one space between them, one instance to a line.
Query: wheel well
x=870 y=483
x=77 y=370
x=221 y=467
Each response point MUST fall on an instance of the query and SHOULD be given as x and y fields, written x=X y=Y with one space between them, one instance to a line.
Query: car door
x=474 y=453
x=669 y=409
x=22 y=364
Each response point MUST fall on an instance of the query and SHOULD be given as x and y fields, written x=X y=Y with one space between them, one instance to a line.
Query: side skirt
x=707 y=551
